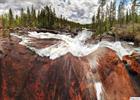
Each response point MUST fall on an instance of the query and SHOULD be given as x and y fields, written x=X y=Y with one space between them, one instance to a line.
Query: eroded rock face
x=132 y=65
x=26 y=76
x=115 y=79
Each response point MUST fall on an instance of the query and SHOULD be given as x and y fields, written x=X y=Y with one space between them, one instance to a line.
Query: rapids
x=76 y=46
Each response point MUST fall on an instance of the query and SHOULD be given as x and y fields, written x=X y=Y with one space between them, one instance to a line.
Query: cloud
x=75 y=10
x=2 y=1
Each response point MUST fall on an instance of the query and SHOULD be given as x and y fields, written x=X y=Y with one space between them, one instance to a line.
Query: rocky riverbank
x=124 y=33
x=127 y=33
x=25 y=75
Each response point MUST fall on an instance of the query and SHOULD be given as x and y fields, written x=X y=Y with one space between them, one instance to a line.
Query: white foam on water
x=76 y=46
x=117 y=46
x=99 y=90
x=137 y=49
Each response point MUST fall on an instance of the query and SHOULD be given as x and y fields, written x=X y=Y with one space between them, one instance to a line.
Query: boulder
x=109 y=36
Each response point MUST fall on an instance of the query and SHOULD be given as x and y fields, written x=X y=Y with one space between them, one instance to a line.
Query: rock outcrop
x=116 y=81
x=26 y=76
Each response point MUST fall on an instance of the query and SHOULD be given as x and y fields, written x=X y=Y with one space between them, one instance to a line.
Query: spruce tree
x=127 y=17
x=11 y=18
x=28 y=17
x=33 y=17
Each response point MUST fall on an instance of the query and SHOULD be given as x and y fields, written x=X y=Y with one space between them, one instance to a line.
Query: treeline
x=109 y=15
x=44 y=18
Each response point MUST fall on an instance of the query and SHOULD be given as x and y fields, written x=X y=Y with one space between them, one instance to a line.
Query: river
x=78 y=47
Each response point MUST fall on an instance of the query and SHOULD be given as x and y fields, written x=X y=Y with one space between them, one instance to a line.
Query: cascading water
x=76 y=46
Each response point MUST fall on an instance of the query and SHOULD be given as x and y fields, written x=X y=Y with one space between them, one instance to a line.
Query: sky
x=75 y=10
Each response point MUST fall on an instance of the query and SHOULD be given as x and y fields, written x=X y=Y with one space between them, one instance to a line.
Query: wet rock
x=47 y=30
x=134 y=65
x=126 y=37
x=134 y=69
x=43 y=43
x=29 y=77
x=113 y=75
x=109 y=36
x=26 y=76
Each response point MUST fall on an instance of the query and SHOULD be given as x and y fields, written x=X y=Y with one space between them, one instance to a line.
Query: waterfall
x=77 y=47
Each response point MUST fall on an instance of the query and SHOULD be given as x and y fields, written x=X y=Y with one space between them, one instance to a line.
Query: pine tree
x=29 y=22
x=135 y=4
x=11 y=18
x=5 y=22
x=100 y=17
x=121 y=12
x=42 y=19
x=45 y=18
x=98 y=25
x=17 y=21
x=33 y=17
x=112 y=13
x=23 y=18
x=93 y=21
x=127 y=17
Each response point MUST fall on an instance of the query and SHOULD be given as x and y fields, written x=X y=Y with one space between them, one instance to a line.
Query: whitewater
x=76 y=46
